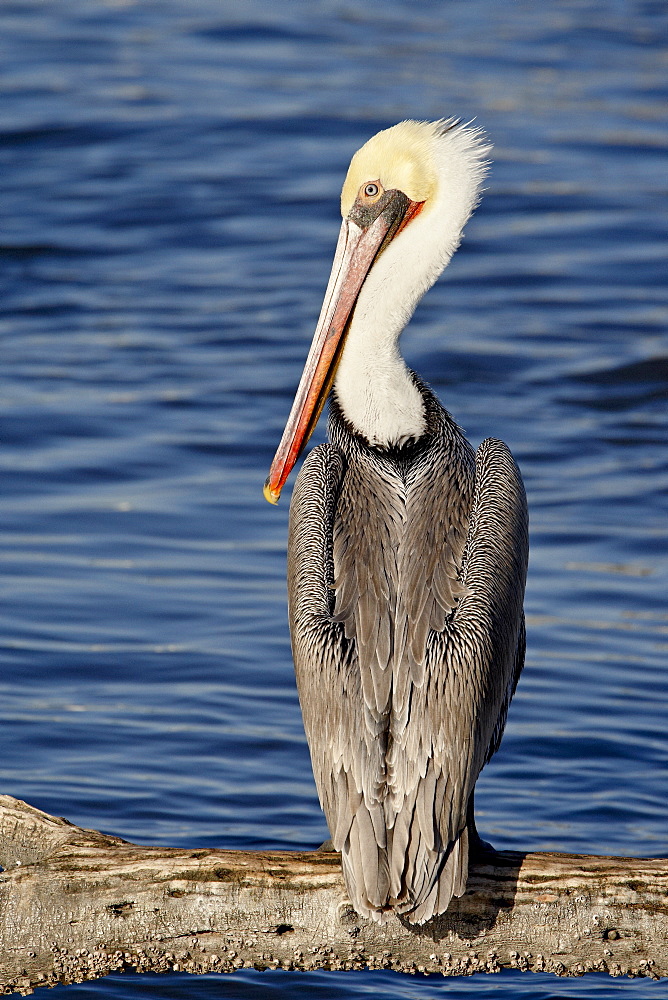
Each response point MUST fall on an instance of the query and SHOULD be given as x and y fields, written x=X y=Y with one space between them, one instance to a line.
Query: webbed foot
x=477 y=846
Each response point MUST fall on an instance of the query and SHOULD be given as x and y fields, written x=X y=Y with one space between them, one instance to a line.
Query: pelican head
x=406 y=197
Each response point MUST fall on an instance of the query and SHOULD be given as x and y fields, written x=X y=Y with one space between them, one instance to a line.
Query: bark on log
x=76 y=904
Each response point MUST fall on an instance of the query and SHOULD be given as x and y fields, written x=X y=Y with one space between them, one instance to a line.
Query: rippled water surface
x=170 y=174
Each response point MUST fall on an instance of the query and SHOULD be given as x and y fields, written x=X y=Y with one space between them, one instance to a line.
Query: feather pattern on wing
x=406 y=580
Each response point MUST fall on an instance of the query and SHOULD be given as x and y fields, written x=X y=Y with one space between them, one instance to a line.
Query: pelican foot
x=477 y=846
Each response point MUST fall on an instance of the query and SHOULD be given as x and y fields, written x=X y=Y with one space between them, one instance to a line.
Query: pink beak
x=356 y=250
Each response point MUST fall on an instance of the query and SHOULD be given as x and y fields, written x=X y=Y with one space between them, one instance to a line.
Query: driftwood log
x=77 y=904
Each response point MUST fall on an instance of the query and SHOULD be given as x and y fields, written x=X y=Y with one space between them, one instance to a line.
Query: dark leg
x=477 y=846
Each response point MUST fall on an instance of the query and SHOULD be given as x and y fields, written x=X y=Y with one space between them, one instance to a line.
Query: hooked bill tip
x=272 y=496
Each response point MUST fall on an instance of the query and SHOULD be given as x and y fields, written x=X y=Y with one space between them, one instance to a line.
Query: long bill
x=356 y=250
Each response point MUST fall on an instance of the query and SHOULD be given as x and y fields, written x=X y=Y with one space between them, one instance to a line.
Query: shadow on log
x=76 y=904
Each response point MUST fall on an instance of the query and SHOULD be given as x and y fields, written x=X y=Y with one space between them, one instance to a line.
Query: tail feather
x=421 y=889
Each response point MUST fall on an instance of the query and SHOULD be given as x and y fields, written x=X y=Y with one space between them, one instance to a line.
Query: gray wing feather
x=472 y=666
x=405 y=602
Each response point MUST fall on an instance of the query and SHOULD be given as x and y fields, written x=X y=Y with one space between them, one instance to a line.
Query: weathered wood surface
x=77 y=904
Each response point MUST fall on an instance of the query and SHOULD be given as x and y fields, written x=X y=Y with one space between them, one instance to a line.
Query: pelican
x=407 y=550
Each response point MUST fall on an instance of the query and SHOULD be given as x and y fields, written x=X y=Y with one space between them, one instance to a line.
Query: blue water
x=170 y=175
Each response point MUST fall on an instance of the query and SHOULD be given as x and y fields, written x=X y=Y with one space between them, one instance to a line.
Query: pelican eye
x=372 y=190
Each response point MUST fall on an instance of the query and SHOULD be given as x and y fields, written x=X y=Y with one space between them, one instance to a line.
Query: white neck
x=374 y=388
x=372 y=384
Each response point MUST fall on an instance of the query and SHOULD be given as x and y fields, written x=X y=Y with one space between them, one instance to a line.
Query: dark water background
x=170 y=173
